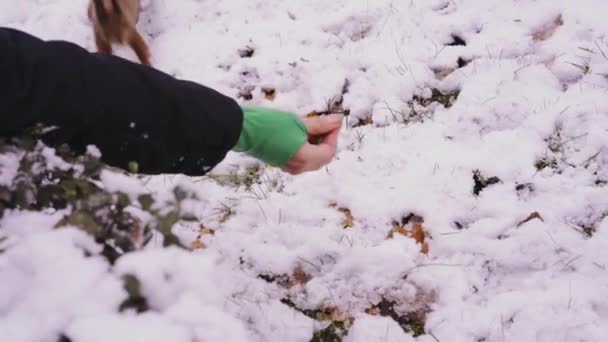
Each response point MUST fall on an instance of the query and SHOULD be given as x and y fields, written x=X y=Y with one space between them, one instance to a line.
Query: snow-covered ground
x=531 y=109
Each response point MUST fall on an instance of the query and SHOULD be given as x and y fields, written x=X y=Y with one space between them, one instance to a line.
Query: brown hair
x=114 y=22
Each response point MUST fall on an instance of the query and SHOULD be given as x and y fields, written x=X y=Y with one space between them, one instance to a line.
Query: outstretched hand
x=313 y=156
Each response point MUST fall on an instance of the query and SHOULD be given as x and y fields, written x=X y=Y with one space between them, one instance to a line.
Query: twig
x=532 y=216
x=310 y=263
x=573 y=226
x=601 y=51
x=588 y=160
x=573 y=260
x=502 y=327
x=564 y=110
x=434 y=337
x=571 y=139
x=552 y=239
x=569 y=296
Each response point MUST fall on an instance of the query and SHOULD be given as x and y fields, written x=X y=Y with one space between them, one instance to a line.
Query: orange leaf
x=425 y=248
x=198 y=244
x=417 y=233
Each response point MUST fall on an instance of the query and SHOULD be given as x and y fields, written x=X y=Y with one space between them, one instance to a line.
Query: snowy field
x=468 y=200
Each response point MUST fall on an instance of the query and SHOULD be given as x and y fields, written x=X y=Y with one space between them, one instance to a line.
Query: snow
x=8 y=168
x=487 y=276
x=49 y=283
x=371 y=328
x=115 y=182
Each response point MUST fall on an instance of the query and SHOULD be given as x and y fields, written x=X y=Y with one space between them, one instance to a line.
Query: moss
x=334 y=332
x=102 y=214
x=544 y=163
x=135 y=300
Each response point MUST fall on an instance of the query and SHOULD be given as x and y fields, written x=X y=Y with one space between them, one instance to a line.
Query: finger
x=289 y=170
x=293 y=169
x=332 y=138
x=323 y=124
x=319 y=155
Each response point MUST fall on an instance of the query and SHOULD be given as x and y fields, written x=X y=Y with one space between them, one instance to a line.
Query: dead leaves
x=410 y=226
x=288 y=281
x=349 y=219
x=364 y=121
x=269 y=93
x=298 y=277
x=413 y=319
x=546 y=31
x=415 y=231
x=532 y=216
x=198 y=243
x=328 y=314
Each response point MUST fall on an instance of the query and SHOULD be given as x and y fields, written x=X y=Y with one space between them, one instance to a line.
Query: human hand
x=313 y=156
x=282 y=139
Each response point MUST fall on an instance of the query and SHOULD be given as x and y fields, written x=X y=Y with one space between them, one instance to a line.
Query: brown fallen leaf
x=417 y=233
x=269 y=93
x=298 y=277
x=548 y=30
x=399 y=229
x=532 y=216
x=366 y=120
x=425 y=248
x=198 y=244
x=349 y=219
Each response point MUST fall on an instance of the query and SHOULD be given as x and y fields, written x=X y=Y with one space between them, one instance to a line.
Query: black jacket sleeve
x=130 y=112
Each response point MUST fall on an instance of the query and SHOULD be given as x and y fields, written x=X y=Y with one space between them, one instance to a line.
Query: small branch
x=310 y=263
x=532 y=216
x=434 y=337
x=588 y=160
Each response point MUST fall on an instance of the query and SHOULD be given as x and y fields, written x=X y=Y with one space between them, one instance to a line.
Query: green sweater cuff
x=270 y=135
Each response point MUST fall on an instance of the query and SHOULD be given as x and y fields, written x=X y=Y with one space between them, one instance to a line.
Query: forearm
x=130 y=112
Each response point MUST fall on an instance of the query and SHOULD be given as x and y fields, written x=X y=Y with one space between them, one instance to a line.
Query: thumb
x=323 y=124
